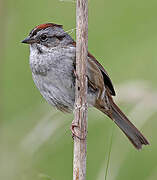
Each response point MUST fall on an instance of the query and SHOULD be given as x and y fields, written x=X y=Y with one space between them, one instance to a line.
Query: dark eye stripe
x=60 y=37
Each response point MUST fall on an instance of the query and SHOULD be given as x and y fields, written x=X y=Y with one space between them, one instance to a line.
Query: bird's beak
x=28 y=40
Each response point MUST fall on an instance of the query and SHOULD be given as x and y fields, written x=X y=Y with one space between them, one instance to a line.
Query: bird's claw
x=74 y=133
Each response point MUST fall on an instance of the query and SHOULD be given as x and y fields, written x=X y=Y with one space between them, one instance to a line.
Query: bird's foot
x=77 y=133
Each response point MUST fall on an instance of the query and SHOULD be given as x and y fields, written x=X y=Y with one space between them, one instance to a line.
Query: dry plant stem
x=80 y=148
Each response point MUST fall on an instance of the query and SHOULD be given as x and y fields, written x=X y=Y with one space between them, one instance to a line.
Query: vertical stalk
x=80 y=146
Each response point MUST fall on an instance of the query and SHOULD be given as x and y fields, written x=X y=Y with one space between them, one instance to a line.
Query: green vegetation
x=35 y=140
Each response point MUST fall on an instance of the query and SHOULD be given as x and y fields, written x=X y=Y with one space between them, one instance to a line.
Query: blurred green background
x=35 y=140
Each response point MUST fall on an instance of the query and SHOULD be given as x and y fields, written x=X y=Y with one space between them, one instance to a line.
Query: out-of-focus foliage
x=35 y=140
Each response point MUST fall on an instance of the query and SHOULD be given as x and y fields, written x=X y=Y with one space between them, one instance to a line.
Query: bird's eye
x=43 y=37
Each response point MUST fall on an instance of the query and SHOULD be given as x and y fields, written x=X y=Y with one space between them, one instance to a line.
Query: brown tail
x=133 y=134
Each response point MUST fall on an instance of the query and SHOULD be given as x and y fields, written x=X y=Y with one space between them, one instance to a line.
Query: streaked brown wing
x=107 y=80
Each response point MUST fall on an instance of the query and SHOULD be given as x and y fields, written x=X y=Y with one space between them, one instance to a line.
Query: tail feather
x=133 y=134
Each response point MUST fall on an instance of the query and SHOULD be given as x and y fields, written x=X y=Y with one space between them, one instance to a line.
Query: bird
x=53 y=64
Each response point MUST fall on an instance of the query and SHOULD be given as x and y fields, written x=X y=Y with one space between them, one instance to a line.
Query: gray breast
x=53 y=75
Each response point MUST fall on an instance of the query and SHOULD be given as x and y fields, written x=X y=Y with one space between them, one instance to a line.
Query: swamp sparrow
x=53 y=63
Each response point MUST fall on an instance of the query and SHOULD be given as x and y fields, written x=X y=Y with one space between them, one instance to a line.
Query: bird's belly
x=57 y=89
